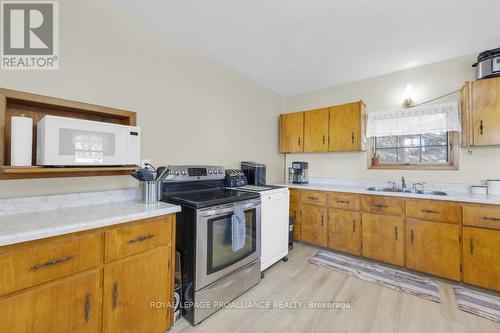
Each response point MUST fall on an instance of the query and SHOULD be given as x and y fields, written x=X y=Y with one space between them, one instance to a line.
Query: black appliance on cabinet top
x=214 y=269
x=488 y=64
x=255 y=173
x=235 y=178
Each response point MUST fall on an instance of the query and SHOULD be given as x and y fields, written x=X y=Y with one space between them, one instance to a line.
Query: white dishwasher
x=274 y=222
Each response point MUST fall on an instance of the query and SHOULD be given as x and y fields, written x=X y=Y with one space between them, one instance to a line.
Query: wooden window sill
x=414 y=167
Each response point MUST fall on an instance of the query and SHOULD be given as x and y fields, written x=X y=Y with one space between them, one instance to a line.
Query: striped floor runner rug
x=406 y=282
x=481 y=304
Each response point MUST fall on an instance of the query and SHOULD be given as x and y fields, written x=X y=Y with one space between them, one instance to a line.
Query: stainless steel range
x=218 y=236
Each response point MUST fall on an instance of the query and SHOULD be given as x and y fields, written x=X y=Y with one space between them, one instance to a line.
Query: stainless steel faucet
x=403 y=182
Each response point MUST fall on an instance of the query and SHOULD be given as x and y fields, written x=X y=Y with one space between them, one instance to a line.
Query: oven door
x=215 y=257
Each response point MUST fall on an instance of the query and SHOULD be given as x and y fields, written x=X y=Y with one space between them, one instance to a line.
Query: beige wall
x=385 y=92
x=191 y=109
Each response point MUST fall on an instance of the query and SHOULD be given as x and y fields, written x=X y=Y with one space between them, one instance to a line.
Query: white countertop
x=27 y=226
x=451 y=196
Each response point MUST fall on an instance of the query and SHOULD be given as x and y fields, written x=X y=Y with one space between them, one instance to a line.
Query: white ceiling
x=295 y=46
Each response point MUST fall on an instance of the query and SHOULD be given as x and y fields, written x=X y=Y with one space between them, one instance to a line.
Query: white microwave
x=65 y=141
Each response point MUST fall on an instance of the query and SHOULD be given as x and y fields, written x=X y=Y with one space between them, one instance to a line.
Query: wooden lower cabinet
x=130 y=286
x=433 y=248
x=295 y=213
x=383 y=238
x=68 y=305
x=314 y=225
x=344 y=231
x=67 y=286
x=481 y=257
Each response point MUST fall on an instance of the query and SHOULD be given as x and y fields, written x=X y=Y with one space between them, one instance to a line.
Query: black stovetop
x=202 y=196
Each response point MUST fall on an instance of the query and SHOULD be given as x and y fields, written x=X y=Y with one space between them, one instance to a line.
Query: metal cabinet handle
x=343 y=201
x=396 y=232
x=379 y=205
x=324 y=139
x=412 y=236
x=481 y=127
x=353 y=225
x=352 y=137
x=299 y=140
x=115 y=295
x=491 y=218
x=471 y=245
x=429 y=211
x=312 y=198
x=87 y=308
x=140 y=238
x=52 y=262
x=321 y=220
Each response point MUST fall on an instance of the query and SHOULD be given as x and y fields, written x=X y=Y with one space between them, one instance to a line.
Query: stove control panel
x=182 y=173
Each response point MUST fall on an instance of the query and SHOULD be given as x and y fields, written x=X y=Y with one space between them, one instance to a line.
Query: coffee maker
x=299 y=170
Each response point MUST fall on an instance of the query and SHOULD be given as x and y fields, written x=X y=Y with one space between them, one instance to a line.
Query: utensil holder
x=151 y=191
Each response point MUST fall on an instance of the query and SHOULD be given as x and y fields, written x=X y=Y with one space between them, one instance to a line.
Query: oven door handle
x=228 y=208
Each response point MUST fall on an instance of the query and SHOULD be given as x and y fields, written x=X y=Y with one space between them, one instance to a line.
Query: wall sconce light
x=408 y=96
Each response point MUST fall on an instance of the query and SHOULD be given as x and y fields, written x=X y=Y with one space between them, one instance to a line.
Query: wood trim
x=64 y=103
x=3 y=111
x=453 y=152
x=7 y=172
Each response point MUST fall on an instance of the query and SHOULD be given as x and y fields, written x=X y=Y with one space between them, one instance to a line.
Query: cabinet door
x=292 y=132
x=481 y=252
x=295 y=213
x=382 y=237
x=486 y=112
x=316 y=125
x=314 y=225
x=131 y=285
x=68 y=305
x=433 y=248
x=344 y=231
x=345 y=127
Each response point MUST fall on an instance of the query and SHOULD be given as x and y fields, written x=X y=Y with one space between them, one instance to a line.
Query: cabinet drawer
x=482 y=216
x=434 y=211
x=383 y=205
x=137 y=237
x=343 y=201
x=41 y=263
x=294 y=196
x=313 y=198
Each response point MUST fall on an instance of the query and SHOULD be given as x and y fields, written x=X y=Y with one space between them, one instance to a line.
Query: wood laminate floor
x=373 y=308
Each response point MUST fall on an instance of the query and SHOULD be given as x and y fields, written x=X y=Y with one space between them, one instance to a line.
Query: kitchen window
x=421 y=151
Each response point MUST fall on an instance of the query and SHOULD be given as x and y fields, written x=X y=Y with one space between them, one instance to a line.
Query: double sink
x=404 y=190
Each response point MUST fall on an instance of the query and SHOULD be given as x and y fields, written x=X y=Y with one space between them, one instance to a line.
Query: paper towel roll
x=21 y=141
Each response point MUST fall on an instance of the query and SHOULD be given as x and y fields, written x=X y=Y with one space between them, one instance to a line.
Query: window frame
x=453 y=154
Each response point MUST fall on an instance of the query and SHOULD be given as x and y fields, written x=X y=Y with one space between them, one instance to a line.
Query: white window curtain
x=413 y=121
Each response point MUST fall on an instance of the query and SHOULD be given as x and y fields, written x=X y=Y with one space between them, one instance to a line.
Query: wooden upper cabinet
x=316 y=124
x=292 y=132
x=314 y=225
x=69 y=305
x=347 y=124
x=486 y=112
x=481 y=255
x=434 y=248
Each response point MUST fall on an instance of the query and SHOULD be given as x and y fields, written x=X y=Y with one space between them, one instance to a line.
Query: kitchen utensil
x=478 y=189
x=493 y=186
x=161 y=176
x=137 y=176
x=146 y=174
